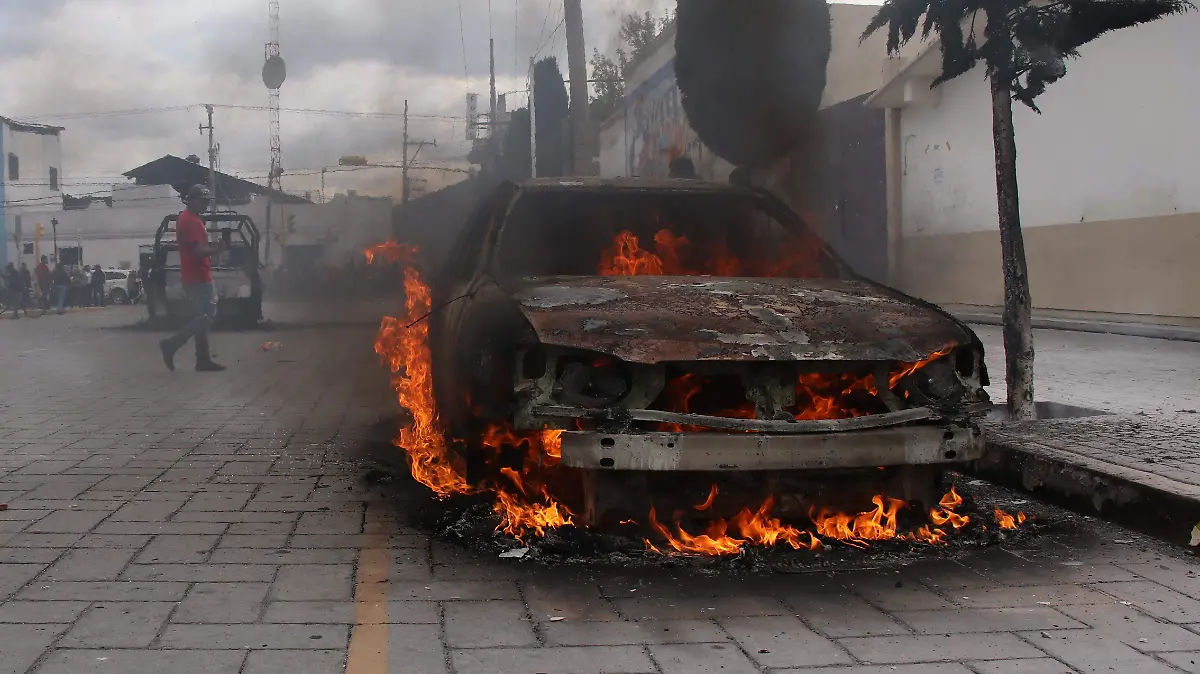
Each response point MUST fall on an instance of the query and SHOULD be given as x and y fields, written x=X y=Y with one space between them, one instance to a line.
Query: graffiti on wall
x=657 y=130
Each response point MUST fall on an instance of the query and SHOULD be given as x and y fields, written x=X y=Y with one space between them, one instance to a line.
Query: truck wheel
x=119 y=296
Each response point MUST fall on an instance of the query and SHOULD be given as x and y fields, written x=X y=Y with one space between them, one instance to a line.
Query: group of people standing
x=59 y=287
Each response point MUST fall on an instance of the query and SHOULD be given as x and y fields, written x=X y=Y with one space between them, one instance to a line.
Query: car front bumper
x=915 y=445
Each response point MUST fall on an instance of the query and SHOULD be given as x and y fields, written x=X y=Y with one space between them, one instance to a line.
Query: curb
x=1171 y=332
x=1145 y=502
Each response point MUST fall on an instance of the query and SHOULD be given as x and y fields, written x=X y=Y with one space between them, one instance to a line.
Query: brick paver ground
x=164 y=522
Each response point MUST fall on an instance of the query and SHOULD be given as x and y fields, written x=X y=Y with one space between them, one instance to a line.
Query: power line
x=115 y=113
x=345 y=113
x=462 y=34
x=551 y=37
x=181 y=108
x=545 y=18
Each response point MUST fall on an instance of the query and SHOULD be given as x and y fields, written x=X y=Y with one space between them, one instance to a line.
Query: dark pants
x=60 y=297
x=97 y=296
x=202 y=299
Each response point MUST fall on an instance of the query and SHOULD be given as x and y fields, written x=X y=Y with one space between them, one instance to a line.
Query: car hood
x=653 y=319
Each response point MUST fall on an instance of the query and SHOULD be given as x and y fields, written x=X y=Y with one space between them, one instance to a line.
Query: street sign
x=472 y=116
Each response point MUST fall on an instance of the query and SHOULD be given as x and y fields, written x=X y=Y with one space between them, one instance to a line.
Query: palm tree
x=1024 y=46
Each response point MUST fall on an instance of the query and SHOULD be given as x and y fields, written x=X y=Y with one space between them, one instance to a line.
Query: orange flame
x=406 y=351
x=751 y=528
x=874 y=525
x=946 y=515
x=951 y=500
x=403 y=343
x=519 y=517
x=708 y=503
x=910 y=368
x=1007 y=521
x=626 y=258
x=552 y=444
x=819 y=396
x=930 y=535
x=390 y=251
x=675 y=255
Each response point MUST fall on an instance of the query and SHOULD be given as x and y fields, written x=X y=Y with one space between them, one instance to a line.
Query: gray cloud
x=68 y=56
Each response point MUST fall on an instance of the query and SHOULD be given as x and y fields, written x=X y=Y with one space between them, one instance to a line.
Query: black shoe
x=168 y=354
x=209 y=366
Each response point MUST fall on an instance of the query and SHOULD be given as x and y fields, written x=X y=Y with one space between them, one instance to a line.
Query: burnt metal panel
x=906 y=446
x=655 y=319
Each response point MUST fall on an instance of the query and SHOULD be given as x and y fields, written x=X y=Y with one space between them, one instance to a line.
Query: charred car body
x=679 y=327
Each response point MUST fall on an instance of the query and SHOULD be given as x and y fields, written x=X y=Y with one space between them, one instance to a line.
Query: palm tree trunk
x=1018 y=326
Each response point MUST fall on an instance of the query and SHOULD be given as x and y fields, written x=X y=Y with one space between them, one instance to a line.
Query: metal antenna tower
x=274 y=73
x=272 y=51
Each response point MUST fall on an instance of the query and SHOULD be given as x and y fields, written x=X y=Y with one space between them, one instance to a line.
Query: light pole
x=54 y=225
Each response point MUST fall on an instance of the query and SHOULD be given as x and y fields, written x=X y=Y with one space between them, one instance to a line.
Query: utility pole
x=532 y=121
x=492 y=69
x=577 y=69
x=404 y=161
x=212 y=158
x=405 y=188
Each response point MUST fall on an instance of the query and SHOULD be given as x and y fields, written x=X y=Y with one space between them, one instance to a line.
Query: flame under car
x=680 y=327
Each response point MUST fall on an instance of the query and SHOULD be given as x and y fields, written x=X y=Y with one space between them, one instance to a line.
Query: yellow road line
x=369 y=638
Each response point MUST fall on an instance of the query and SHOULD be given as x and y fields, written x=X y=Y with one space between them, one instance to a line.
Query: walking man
x=62 y=281
x=195 y=271
x=97 y=287
x=44 y=277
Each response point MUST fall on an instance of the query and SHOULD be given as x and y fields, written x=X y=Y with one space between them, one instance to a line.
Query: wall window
x=14 y=167
x=53 y=178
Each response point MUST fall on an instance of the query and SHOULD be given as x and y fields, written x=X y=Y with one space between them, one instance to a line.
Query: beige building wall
x=1109 y=180
x=1144 y=267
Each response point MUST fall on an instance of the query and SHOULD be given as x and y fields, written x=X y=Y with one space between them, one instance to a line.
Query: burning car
x=660 y=329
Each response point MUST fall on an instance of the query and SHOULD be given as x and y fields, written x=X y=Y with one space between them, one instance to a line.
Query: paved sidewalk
x=177 y=522
x=1111 y=373
x=1147 y=450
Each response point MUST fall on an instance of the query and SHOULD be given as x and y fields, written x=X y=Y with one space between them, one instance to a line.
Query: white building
x=1109 y=179
x=30 y=173
x=326 y=234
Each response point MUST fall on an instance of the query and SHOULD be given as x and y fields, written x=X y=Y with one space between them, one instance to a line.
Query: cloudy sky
x=62 y=61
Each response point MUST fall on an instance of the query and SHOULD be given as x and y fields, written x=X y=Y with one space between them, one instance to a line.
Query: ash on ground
x=471 y=523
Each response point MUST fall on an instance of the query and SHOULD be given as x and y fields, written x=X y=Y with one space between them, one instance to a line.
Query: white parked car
x=116 y=285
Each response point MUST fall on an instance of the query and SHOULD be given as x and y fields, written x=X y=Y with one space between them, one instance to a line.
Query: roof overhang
x=908 y=81
x=31 y=127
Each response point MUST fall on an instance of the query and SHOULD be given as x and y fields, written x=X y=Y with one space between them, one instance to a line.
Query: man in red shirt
x=195 y=271
x=42 y=274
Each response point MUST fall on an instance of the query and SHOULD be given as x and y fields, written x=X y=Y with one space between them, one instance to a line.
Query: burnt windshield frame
x=761 y=202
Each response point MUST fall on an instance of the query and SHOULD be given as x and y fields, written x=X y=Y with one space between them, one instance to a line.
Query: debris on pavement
x=1194 y=542
x=272 y=346
x=515 y=553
